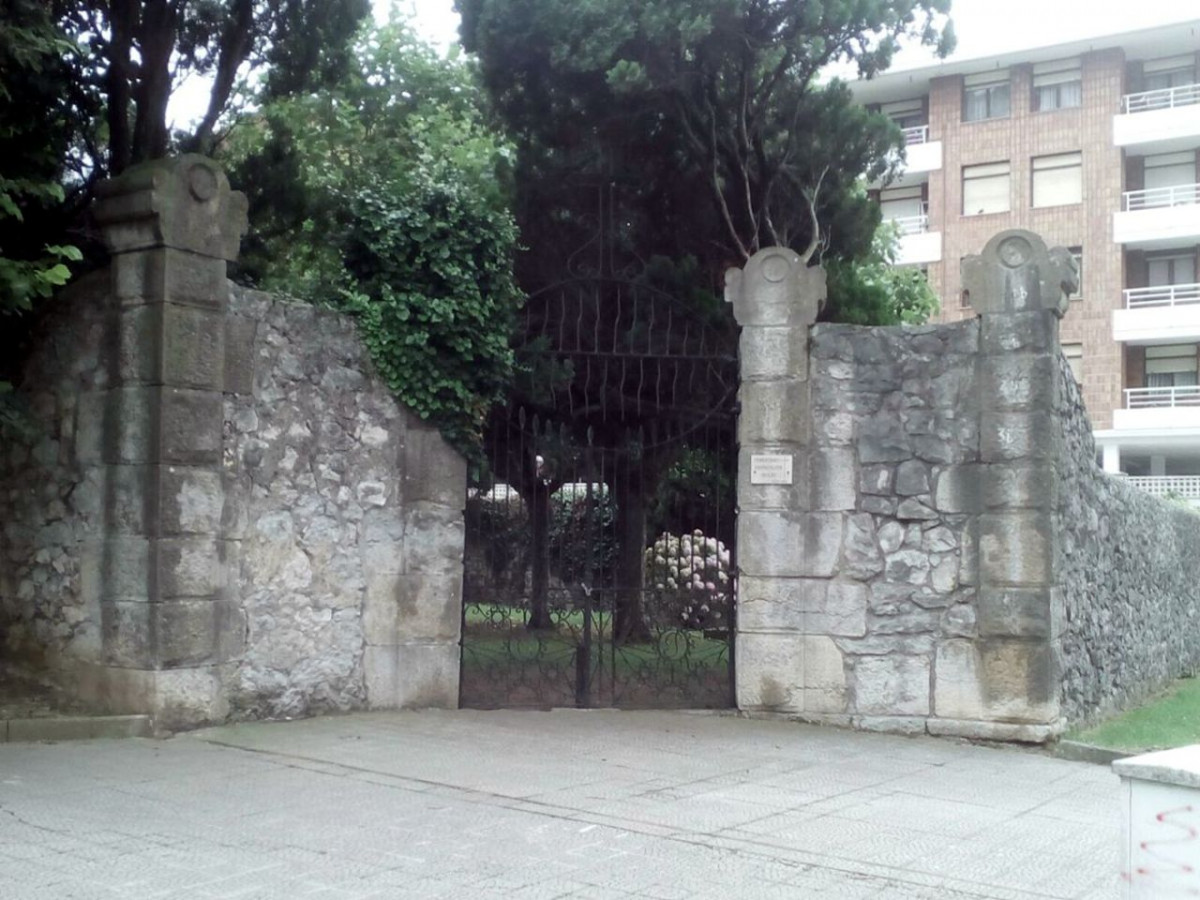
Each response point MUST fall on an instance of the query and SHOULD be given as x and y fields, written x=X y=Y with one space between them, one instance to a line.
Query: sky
x=983 y=26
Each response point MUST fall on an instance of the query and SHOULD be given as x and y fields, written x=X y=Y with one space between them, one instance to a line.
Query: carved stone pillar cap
x=183 y=202
x=776 y=287
x=1017 y=273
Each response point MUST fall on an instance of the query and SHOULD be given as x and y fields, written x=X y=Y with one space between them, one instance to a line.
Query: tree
x=708 y=112
x=85 y=86
x=874 y=290
x=385 y=195
x=699 y=132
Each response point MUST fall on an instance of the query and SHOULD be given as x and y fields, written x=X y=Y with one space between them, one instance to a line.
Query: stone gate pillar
x=788 y=537
x=167 y=619
x=1004 y=683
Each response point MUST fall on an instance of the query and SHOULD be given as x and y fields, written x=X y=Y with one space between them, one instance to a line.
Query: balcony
x=1160 y=121
x=1183 y=487
x=1159 y=217
x=918 y=245
x=1159 y=408
x=921 y=156
x=1159 y=315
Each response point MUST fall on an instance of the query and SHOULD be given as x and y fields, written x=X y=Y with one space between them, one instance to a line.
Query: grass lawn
x=1172 y=720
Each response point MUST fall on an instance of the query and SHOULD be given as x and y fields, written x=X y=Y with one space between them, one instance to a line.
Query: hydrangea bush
x=691 y=572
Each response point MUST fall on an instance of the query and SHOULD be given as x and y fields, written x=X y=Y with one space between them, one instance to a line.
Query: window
x=985 y=189
x=1057 y=85
x=1168 y=170
x=905 y=207
x=1161 y=74
x=986 y=96
x=1164 y=269
x=1058 y=180
x=1077 y=255
x=1171 y=365
x=906 y=113
x=1074 y=355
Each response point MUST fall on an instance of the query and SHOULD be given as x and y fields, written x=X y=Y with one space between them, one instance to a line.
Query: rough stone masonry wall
x=347 y=519
x=1129 y=568
x=220 y=510
x=895 y=424
x=52 y=498
x=923 y=562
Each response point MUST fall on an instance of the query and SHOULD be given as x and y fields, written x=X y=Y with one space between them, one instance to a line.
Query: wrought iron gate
x=600 y=540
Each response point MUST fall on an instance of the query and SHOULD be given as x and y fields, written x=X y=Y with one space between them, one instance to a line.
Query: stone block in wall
x=401 y=609
x=1020 y=612
x=125 y=568
x=412 y=676
x=1019 y=486
x=191 y=427
x=90 y=411
x=774 y=353
x=843 y=612
x=959 y=488
x=1019 y=381
x=796 y=545
x=1012 y=436
x=1031 y=332
x=193 y=347
x=832 y=479
x=770 y=672
x=1016 y=548
x=131 y=412
x=188 y=567
x=778 y=604
x=883 y=439
x=774 y=412
x=433 y=473
x=189 y=633
x=433 y=540
x=892 y=685
x=129 y=499
x=824 y=675
x=999 y=679
x=127 y=635
x=191 y=500
x=240 y=332
x=169 y=275
x=180 y=698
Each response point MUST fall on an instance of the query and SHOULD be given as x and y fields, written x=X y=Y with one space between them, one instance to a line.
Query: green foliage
x=31 y=49
x=706 y=116
x=873 y=290
x=1170 y=720
x=582 y=534
x=385 y=196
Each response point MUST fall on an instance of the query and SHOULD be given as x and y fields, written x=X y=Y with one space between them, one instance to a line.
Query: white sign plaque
x=770 y=468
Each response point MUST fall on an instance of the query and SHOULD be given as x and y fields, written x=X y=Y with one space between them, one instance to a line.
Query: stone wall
x=1129 y=568
x=220 y=510
x=943 y=554
x=347 y=515
x=52 y=491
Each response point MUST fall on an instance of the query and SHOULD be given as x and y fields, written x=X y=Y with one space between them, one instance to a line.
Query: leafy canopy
x=707 y=113
x=385 y=195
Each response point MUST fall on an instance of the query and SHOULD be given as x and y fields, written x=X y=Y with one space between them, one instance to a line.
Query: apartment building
x=1095 y=145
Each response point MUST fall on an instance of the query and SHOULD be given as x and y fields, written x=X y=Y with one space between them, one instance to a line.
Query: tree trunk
x=629 y=625
x=539 y=521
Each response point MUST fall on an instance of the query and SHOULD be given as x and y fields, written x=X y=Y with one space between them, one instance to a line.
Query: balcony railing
x=1163 y=295
x=918 y=224
x=1165 y=98
x=918 y=134
x=1161 y=397
x=1186 y=487
x=1179 y=195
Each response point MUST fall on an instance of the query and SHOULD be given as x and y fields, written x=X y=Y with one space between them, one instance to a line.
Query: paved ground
x=542 y=805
